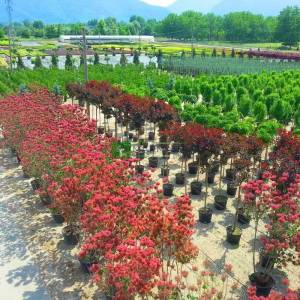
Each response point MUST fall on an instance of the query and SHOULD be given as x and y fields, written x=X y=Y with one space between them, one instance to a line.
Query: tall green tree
x=260 y=111
x=38 y=62
x=20 y=63
x=69 y=61
x=123 y=59
x=96 y=59
x=54 y=61
x=288 y=28
x=136 y=58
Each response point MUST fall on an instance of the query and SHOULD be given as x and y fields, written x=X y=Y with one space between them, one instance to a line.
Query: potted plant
x=165 y=170
x=87 y=260
x=168 y=188
x=56 y=215
x=242 y=169
x=221 y=198
x=257 y=196
x=208 y=143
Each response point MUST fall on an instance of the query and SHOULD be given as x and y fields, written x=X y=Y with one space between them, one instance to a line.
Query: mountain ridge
x=67 y=11
x=221 y=7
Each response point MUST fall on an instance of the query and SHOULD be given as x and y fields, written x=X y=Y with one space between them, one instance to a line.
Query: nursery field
x=152 y=185
x=248 y=104
x=224 y=65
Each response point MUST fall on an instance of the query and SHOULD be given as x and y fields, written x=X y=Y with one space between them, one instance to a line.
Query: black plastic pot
x=46 y=199
x=163 y=139
x=131 y=126
x=186 y=154
x=152 y=148
x=180 y=178
x=196 y=188
x=175 y=148
x=130 y=135
x=205 y=215
x=71 y=235
x=166 y=153
x=215 y=167
x=263 y=283
x=230 y=174
x=153 y=162
x=211 y=178
x=165 y=171
x=220 y=202
x=267 y=261
x=100 y=130
x=57 y=217
x=140 y=154
x=36 y=184
x=135 y=138
x=231 y=189
x=233 y=239
x=168 y=189
x=85 y=266
x=164 y=146
x=193 y=168
x=242 y=217
x=139 y=169
x=151 y=136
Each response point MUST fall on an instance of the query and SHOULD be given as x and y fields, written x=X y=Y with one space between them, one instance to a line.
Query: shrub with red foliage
x=289 y=295
x=124 y=220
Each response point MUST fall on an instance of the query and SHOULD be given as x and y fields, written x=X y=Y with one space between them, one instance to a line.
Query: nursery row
x=243 y=104
x=133 y=239
x=224 y=65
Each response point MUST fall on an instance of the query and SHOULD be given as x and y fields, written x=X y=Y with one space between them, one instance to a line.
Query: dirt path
x=19 y=275
x=35 y=264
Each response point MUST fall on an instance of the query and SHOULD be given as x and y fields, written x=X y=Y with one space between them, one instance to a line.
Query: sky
x=160 y=2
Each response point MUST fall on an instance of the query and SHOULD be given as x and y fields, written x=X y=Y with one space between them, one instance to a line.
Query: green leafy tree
x=20 y=63
x=281 y=111
x=123 y=59
x=271 y=99
x=54 y=61
x=136 y=58
x=232 y=52
x=288 y=28
x=216 y=97
x=69 y=61
x=245 y=105
x=96 y=59
x=260 y=111
x=229 y=103
x=38 y=62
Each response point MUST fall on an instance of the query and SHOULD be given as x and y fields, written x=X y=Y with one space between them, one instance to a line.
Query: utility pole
x=10 y=31
x=86 y=70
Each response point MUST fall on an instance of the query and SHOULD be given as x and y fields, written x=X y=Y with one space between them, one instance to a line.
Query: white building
x=106 y=39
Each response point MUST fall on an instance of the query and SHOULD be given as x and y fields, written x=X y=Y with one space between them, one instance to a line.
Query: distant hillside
x=264 y=7
x=221 y=7
x=65 y=11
